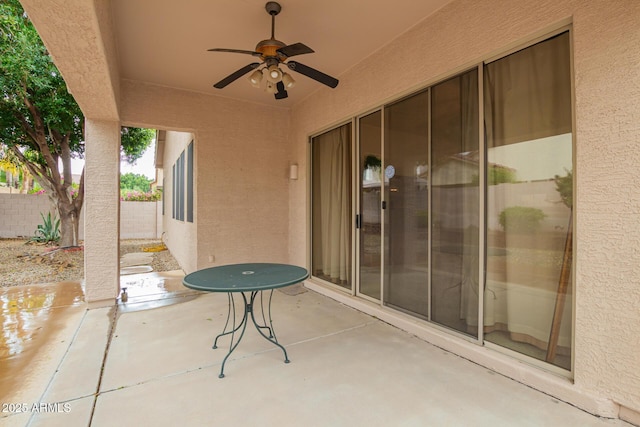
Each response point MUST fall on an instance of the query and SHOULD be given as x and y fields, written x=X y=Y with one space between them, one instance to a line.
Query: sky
x=143 y=166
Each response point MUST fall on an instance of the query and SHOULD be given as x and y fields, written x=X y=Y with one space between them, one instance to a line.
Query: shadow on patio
x=150 y=362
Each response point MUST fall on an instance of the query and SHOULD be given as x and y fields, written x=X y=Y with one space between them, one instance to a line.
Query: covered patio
x=149 y=362
x=231 y=196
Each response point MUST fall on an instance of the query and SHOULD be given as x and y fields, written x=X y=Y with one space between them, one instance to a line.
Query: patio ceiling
x=165 y=42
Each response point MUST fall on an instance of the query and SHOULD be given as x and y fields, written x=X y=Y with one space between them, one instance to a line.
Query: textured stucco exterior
x=180 y=236
x=248 y=210
x=241 y=170
x=84 y=51
x=102 y=210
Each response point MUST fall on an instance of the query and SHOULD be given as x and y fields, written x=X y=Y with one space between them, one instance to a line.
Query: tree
x=134 y=181
x=40 y=122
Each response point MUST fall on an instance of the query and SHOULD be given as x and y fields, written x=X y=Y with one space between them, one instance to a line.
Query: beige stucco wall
x=241 y=170
x=180 y=236
x=607 y=96
x=102 y=210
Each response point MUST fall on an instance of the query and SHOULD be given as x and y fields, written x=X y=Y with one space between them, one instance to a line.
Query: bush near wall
x=139 y=196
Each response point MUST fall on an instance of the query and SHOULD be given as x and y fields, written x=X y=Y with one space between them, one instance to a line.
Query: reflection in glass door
x=455 y=203
x=369 y=218
x=406 y=195
x=529 y=201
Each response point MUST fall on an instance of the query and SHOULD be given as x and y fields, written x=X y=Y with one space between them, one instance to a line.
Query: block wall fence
x=20 y=216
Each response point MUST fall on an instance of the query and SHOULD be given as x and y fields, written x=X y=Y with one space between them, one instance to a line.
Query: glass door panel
x=455 y=198
x=406 y=197
x=331 y=216
x=370 y=136
x=529 y=201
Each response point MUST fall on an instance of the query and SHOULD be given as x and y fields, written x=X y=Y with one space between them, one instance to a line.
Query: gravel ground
x=23 y=263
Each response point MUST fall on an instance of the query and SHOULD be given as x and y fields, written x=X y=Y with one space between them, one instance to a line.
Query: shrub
x=521 y=219
x=48 y=231
x=139 y=196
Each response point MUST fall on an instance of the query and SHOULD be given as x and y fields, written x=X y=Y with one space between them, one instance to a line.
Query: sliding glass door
x=406 y=198
x=529 y=201
x=332 y=206
x=459 y=198
x=369 y=219
x=455 y=203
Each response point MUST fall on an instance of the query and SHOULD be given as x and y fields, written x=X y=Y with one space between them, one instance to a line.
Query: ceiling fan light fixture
x=275 y=75
x=270 y=88
x=255 y=78
x=288 y=81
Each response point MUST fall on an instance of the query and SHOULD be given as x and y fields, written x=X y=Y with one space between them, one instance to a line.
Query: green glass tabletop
x=245 y=277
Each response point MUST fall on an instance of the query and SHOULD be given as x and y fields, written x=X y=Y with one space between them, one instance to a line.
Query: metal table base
x=242 y=326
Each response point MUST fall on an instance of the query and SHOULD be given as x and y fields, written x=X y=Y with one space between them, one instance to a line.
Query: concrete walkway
x=149 y=362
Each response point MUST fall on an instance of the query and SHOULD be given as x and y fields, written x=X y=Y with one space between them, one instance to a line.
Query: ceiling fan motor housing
x=269 y=47
x=273 y=8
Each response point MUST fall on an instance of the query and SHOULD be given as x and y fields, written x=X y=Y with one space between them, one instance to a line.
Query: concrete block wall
x=20 y=216
x=139 y=220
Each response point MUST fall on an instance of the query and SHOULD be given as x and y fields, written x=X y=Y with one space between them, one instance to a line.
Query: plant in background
x=139 y=196
x=133 y=181
x=564 y=186
x=521 y=219
x=372 y=162
x=48 y=231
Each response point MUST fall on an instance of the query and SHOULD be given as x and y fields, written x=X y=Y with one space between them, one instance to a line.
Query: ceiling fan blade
x=234 y=76
x=295 y=49
x=282 y=92
x=313 y=73
x=248 y=52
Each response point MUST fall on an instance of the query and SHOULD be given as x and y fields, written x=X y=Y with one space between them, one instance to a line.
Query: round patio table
x=249 y=280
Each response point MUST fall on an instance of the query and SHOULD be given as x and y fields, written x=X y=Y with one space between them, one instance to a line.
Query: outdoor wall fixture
x=293 y=172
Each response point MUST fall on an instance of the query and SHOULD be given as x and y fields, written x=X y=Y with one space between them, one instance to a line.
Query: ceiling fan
x=273 y=52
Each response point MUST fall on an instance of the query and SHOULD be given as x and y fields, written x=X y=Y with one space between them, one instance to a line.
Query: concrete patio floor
x=149 y=362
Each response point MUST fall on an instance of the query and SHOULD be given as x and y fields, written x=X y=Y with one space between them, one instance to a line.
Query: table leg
x=243 y=324
x=248 y=309
x=232 y=304
x=272 y=334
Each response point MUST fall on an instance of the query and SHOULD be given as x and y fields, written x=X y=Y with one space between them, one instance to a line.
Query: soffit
x=165 y=42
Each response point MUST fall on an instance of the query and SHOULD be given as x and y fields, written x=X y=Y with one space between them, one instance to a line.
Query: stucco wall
x=607 y=110
x=241 y=170
x=180 y=236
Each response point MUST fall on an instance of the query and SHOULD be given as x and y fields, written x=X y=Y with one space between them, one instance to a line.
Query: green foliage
x=521 y=219
x=40 y=122
x=134 y=142
x=48 y=231
x=139 y=196
x=497 y=175
x=564 y=186
x=372 y=162
x=500 y=175
x=133 y=181
x=33 y=90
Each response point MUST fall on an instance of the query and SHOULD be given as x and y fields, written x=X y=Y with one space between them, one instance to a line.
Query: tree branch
x=39 y=137
x=35 y=169
x=77 y=203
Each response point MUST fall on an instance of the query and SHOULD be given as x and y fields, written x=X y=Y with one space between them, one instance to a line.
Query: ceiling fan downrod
x=273 y=8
